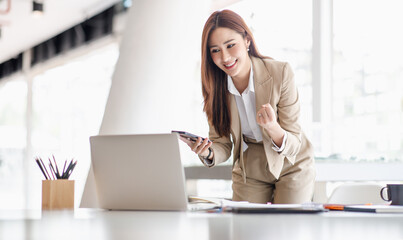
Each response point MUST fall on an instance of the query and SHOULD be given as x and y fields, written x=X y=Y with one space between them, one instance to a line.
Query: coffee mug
x=394 y=193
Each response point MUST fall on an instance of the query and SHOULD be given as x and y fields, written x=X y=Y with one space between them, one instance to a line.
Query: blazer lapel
x=263 y=93
x=263 y=82
x=237 y=136
x=235 y=122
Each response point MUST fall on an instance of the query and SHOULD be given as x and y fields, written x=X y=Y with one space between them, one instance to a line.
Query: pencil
x=57 y=169
x=65 y=175
x=50 y=167
x=71 y=170
x=40 y=167
x=45 y=168
x=65 y=161
x=52 y=170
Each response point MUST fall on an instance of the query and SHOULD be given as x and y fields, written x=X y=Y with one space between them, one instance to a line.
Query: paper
x=245 y=207
x=198 y=199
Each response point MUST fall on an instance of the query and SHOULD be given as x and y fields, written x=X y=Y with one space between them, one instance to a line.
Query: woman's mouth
x=230 y=65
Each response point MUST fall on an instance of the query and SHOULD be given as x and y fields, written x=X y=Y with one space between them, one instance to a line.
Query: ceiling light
x=37 y=7
x=7 y=9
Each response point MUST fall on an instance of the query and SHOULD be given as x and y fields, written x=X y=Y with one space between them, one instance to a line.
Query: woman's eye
x=215 y=50
x=231 y=45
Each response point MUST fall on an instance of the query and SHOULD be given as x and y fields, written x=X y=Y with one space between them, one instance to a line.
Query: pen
x=67 y=169
x=65 y=174
x=50 y=167
x=70 y=170
x=43 y=165
x=65 y=161
x=40 y=167
x=334 y=207
x=57 y=169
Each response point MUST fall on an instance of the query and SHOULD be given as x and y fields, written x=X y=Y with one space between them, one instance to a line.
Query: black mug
x=394 y=192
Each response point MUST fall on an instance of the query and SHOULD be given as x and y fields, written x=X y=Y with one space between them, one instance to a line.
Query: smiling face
x=228 y=49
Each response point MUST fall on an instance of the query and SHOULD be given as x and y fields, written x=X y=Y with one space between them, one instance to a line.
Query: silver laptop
x=138 y=172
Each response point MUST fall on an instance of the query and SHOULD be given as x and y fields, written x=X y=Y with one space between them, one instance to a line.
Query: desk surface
x=100 y=224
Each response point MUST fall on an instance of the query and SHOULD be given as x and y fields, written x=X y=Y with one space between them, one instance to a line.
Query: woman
x=252 y=106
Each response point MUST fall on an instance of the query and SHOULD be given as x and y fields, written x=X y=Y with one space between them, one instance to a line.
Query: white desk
x=99 y=224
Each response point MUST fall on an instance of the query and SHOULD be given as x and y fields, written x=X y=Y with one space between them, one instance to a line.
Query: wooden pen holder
x=57 y=194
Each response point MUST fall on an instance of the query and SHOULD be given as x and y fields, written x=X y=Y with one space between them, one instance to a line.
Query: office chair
x=357 y=193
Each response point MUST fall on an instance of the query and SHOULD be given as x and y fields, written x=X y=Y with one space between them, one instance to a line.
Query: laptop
x=139 y=172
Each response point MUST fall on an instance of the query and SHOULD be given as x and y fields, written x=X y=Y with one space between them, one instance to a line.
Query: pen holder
x=57 y=194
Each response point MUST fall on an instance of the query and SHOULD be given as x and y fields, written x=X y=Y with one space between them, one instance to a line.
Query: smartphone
x=190 y=136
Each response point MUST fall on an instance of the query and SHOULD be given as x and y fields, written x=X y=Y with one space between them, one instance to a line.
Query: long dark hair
x=214 y=80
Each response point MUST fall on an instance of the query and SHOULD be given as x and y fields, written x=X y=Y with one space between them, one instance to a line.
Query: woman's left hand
x=267 y=118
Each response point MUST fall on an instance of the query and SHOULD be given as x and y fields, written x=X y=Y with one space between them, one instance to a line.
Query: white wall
x=157 y=66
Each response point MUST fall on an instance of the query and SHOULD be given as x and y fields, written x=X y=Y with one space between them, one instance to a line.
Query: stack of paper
x=246 y=207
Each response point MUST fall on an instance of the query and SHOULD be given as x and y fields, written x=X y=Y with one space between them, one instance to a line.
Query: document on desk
x=199 y=199
x=246 y=207
x=374 y=208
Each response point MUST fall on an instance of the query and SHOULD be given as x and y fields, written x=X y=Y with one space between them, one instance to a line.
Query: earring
x=247 y=49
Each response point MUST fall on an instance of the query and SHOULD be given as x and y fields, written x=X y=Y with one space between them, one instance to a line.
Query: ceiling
x=21 y=29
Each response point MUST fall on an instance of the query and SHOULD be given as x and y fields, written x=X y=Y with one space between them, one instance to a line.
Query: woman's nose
x=225 y=56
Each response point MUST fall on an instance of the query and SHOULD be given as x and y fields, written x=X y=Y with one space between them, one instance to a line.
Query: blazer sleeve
x=221 y=148
x=288 y=110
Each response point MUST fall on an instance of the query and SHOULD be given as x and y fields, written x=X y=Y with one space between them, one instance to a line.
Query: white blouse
x=246 y=104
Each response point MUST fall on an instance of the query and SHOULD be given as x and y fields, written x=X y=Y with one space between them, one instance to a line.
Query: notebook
x=139 y=172
x=374 y=208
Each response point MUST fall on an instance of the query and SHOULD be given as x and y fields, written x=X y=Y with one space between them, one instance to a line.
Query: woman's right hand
x=199 y=147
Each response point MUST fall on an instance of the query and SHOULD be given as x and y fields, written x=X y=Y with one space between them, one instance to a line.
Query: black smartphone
x=192 y=137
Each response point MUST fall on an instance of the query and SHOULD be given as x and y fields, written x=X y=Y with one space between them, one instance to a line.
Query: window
x=13 y=98
x=365 y=97
x=367 y=81
x=285 y=34
x=65 y=107
x=68 y=103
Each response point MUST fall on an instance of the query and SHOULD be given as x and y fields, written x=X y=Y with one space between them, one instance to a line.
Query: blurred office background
x=57 y=66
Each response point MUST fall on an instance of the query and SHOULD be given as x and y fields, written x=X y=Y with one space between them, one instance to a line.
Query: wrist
x=278 y=136
x=274 y=129
x=208 y=155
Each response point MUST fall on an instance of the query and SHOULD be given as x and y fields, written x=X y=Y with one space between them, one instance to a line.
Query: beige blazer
x=274 y=84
